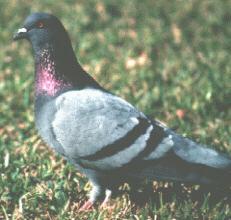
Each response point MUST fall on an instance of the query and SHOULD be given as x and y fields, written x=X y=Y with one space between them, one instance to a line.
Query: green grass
x=165 y=57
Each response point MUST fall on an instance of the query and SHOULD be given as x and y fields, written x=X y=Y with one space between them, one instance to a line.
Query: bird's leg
x=95 y=193
x=86 y=206
x=108 y=194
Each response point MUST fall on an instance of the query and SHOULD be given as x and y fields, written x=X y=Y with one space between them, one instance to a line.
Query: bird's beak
x=20 y=34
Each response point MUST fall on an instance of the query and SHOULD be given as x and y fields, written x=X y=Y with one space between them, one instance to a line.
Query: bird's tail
x=188 y=161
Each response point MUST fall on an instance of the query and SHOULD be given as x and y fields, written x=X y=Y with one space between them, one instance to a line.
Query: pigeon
x=106 y=138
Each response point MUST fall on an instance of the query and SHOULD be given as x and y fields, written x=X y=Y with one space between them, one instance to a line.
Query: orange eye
x=40 y=24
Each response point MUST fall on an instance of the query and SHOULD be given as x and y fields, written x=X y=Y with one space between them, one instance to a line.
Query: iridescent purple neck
x=48 y=80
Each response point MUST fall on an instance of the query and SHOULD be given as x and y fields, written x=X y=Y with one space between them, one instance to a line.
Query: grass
x=171 y=59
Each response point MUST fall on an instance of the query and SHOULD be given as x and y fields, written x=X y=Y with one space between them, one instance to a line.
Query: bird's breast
x=44 y=115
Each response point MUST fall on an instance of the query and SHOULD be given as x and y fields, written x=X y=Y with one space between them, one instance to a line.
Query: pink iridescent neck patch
x=47 y=83
x=47 y=80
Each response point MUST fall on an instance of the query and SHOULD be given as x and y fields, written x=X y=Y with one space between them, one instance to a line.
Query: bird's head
x=53 y=52
x=42 y=29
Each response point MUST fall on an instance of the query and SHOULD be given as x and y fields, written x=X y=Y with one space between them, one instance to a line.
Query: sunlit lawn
x=171 y=59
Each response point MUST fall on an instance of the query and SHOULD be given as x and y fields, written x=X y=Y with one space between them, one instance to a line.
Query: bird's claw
x=86 y=206
x=106 y=200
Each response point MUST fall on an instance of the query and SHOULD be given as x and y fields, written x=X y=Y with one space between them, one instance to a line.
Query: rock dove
x=104 y=136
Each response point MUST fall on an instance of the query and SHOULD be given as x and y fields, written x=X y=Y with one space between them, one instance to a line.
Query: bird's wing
x=104 y=132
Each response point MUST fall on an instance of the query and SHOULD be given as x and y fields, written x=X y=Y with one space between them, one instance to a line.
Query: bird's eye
x=40 y=24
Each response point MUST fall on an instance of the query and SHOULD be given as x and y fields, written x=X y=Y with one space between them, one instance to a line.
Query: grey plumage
x=104 y=136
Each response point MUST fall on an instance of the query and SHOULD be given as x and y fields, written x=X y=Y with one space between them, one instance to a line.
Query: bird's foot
x=95 y=193
x=86 y=206
x=106 y=199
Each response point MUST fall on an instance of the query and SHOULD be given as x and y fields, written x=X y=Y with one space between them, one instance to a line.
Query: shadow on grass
x=176 y=192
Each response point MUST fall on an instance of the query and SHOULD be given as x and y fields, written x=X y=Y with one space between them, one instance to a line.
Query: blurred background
x=171 y=59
